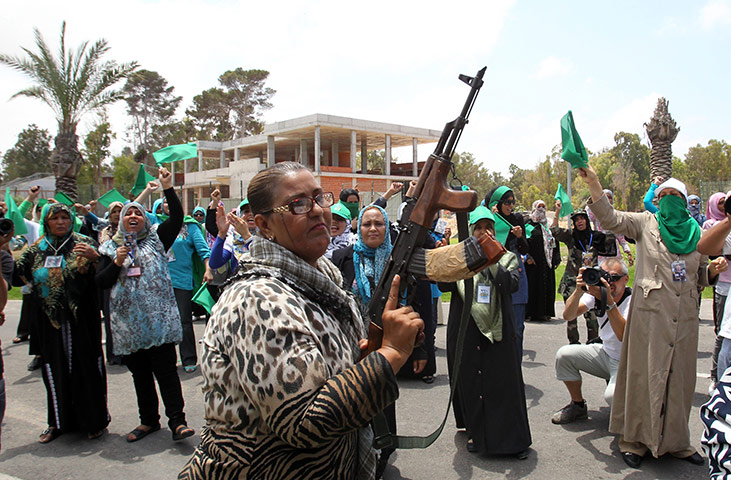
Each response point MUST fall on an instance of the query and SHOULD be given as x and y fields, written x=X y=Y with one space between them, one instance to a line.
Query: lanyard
x=55 y=250
x=591 y=239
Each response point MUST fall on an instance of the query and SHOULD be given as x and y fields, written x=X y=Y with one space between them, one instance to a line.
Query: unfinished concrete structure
x=328 y=144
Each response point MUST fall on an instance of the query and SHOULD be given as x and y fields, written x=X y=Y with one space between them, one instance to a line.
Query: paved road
x=576 y=451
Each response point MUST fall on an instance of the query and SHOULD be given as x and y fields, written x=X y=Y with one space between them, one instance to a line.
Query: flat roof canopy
x=333 y=129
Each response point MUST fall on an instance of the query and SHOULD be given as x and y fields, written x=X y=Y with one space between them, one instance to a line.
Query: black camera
x=593 y=276
x=6 y=226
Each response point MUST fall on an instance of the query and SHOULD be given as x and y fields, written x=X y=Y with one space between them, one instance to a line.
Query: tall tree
x=151 y=104
x=474 y=174
x=235 y=109
x=72 y=84
x=248 y=98
x=662 y=131
x=96 y=151
x=31 y=154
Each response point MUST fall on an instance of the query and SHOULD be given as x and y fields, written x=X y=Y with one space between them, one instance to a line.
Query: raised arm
x=712 y=240
x=169 y=229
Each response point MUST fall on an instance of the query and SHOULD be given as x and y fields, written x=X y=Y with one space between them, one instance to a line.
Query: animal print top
x=284 y=397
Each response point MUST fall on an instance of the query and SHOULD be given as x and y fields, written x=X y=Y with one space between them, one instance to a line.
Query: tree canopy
x=31 y=154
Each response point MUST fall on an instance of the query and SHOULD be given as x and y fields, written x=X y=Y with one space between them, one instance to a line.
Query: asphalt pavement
x=580 y=450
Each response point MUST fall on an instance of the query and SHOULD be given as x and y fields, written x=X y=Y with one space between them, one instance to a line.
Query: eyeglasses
x=302 y=205
x=509 y=202
x=615 y=277
x=198 y=214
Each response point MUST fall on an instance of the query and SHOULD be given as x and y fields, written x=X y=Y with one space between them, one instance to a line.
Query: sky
x=398 y=62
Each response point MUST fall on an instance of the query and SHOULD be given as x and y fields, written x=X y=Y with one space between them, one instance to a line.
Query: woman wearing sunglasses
x=285 y=395
x=510 y=231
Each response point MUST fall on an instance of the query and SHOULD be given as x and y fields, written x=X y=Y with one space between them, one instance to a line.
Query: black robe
x=541 y=277
x=490 y=397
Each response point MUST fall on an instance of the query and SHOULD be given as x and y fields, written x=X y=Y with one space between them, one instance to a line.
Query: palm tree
x=72 y=84
x=661 y=130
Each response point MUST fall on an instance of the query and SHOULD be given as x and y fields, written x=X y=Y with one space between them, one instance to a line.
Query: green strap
x=383 y=438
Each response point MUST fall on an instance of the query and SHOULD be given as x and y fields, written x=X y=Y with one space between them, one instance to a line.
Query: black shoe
x=632 y=459
x=34 y=364
x=695 y=459
x=471 y=446
x=522 y=455
x=570 y=413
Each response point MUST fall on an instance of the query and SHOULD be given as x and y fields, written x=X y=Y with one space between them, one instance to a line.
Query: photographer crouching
x=604 y=290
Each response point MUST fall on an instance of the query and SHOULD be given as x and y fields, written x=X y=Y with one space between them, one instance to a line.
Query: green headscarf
x=679 y=232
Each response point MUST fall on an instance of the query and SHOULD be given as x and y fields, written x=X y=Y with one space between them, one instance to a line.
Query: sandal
x=428 y=379
x=95 y=435
x=21 y=338
x=49 y=434
x=190 y=368
x=182 y=431
x=139 y=433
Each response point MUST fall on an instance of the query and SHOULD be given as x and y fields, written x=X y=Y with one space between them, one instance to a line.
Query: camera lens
x=6 y=226
x=591 y=276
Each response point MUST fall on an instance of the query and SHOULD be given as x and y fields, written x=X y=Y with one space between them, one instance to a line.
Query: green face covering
x=679 y=232
x=353 y=208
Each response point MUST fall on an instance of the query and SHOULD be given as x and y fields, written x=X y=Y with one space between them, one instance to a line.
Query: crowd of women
x=289 y=390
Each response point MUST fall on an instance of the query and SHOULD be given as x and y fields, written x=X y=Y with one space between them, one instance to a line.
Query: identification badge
x=587 y=258
x=134 y=271
x=680 y=274
x=171 y=256
x=483 y=293
x=551 y=242
x=26 y=289
x=53 y=261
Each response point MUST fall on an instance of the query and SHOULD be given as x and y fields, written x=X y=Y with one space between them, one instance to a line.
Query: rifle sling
x=383 y=438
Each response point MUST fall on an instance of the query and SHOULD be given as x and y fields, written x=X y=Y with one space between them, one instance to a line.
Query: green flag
x=203 y=298
x=65 y=199
x=573 y=148
x=174 y=153
x=566 y=207
x=14 y=214
x=112 y=195
x=143 y=178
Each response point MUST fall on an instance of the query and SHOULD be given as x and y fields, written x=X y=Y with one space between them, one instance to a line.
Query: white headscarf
x=672 y=183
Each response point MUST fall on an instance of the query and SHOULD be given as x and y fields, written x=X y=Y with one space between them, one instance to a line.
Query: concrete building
x=327 y=144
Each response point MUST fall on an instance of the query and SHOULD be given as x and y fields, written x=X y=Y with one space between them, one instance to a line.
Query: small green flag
x=112 y=195
x=65 y=199
x=14 y=214
x=203 y=298
x=566 y=207
x=573 y=148
x=41 y=203
x=174 y=153
x=143 y=178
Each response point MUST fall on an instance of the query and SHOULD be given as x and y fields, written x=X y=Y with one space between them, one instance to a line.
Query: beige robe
x=657 y=369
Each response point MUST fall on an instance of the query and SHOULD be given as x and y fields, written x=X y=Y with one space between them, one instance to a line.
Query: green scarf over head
x=502 y=226
x=679 y=232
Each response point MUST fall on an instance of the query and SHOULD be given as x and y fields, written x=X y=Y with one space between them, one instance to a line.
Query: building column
x=222 y=160
x=387 y=169
x=185 y=166
x=415 y=153
x=303 y=152
x=200 y=161
x=317 y=150
x=335 y=152
x=271 y=154
x=237 y=154
x=363 y=155
x=353 y=147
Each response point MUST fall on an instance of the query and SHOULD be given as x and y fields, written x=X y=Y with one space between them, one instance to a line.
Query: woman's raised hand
x=165 y=177
x=221 y=221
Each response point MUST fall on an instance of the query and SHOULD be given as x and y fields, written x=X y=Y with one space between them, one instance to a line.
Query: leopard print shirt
x=284 y=396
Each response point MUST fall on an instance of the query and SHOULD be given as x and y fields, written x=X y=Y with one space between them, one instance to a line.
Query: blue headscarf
x=369 y=262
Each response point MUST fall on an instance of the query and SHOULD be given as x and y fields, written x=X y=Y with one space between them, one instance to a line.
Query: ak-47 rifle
x=432 y=193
